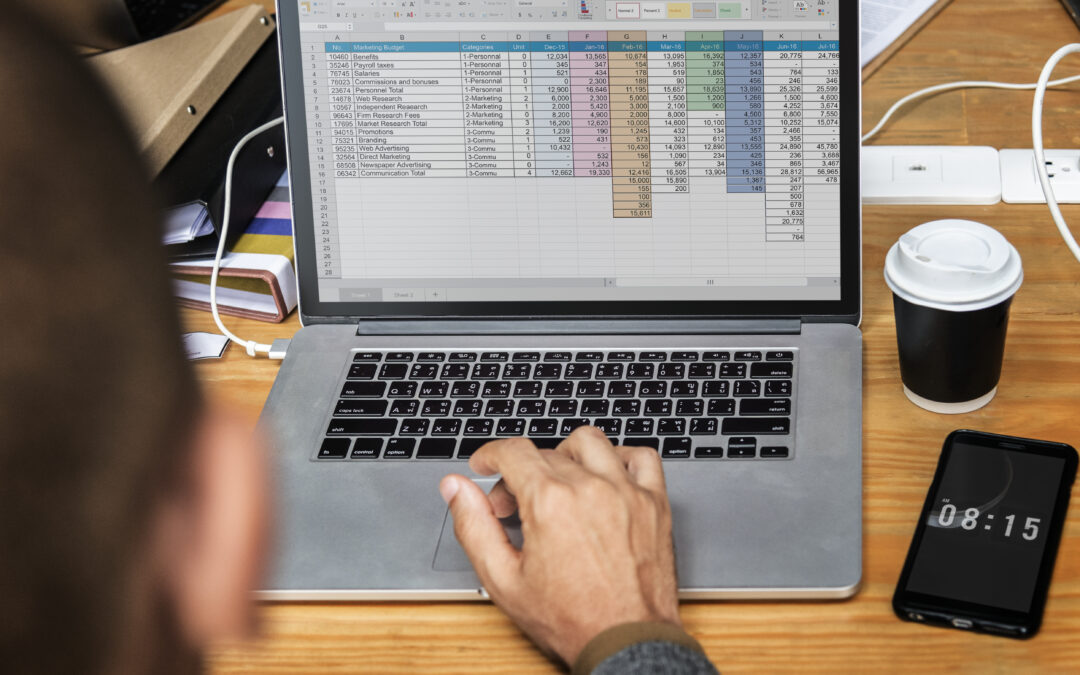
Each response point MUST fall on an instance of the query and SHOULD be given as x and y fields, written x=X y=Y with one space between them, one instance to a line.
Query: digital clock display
x=987 y=527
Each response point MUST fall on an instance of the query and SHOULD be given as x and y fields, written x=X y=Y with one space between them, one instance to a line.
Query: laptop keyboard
x=694 y=405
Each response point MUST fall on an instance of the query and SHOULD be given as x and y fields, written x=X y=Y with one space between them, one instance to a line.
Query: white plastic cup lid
x=954 y=265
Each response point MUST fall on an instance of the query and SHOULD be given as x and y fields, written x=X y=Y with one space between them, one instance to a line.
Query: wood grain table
x=1039 y=396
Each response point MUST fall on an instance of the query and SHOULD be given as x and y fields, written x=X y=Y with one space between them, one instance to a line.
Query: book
x=888 y=24
x=257 y=279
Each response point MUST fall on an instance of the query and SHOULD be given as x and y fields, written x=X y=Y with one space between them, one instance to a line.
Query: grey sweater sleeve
x=656 y=658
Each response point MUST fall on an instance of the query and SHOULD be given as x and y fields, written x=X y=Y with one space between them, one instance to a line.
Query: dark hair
x=95 y=395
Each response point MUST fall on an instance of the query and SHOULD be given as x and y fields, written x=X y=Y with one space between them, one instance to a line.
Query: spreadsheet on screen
x=472 y=150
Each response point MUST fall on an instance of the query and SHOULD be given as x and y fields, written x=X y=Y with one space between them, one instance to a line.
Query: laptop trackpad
x=450 y=557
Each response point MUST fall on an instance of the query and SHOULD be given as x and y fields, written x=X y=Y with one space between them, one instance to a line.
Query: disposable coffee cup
x=952 y=282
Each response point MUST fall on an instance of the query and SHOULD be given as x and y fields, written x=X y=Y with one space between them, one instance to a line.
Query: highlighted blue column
x=744 y=73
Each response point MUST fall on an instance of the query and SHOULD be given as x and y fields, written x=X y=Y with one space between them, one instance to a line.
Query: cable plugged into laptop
x=280 y=346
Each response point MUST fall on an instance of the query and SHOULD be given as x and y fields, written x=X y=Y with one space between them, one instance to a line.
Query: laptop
x=516 y=217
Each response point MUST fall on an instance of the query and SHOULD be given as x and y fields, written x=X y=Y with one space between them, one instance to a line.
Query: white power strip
x=930 y=174
x=1020 y=183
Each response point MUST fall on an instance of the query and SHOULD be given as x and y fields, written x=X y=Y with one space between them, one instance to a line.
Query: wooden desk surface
x=1039 y=396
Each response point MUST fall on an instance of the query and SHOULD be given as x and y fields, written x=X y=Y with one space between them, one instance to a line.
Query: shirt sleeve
x=644 y=647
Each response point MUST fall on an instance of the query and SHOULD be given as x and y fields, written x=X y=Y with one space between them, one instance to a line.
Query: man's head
x=130 y=514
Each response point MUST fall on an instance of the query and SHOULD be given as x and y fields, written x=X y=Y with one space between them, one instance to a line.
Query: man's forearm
x=643 y=647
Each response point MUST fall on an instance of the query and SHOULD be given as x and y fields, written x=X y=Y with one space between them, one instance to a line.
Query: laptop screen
x=570 y=151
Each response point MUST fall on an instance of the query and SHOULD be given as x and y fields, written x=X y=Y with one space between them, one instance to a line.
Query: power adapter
x=930 y=174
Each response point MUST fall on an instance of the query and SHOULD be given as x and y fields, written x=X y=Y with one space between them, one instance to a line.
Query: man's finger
x=492 y=555
x=503 y=502
x=517 y=459
x=644 y=466
x=591 y=448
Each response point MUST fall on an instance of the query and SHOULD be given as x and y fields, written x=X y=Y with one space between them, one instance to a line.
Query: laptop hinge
x=582 y=327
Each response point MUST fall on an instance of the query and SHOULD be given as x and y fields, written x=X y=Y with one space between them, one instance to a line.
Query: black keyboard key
x=367 y=356
x=684 y=389
x=479 y=426
x=404 y=408
x=424 y=371
x=595 y=407
x=747 y=388
x=639 y=426
x=455 y=371
x=468 y=446
x=447 y=426
x=626 y=408
x=747 y=356
x=363 y=390
x=417 y=427
x=590 y=356
x=640 y=371
x=529 y=357
x=571 y=423
x=774 y=451
x=558 y=356
x=393 y=371
x=334 y=448
x=690 y=407
x=658 y=407
x=732 y=370
x=702 y=371
x=431 y=356
x=436 y=448
x=653 y=390
x=703 y=426
x=527 y=389
x=367 y=448
x=435 y=408
x=621 y=389
x=531 y=408
x=466 y=389
x=757 y=425
x=548 y=371
x=684 y=356
x=462 y=357
x=590 y=389
x=773 y=370
x=494 y=356
x=652 y=356
x=563 y=408
x=485 y=371
x=722 y=406
x=671 y=371
x=559 y=389
x=433 y=389
x=495 y=390
x=624 y=357
x=648 y=442
x=362 y=427
x=362 y=371
x=402 y=389
x=676 y=448
x=499 y=408
x=547 y=442
x=716 y=356
x=742 y=446
x=611 y=426
x=765 y=406
x=579 y=371
x=778 y=388
x=716 y=388
x=399 y=356
x=609 y=371
x=517 y=371
x=468 y=408
x=401 y=448
x=778 y=356
x=544 y=427
x=671 y=426
x=510 y=428
x=709 y=453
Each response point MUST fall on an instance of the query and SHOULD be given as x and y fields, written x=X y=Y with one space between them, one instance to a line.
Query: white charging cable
x=250 y=346
x=1037 y=145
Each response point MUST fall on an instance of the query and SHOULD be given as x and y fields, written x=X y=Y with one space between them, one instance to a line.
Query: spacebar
x=757 y=425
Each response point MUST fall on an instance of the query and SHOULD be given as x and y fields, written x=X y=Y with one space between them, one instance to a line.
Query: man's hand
x=597 y=546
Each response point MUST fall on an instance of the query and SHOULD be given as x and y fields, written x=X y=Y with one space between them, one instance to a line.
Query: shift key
x=362 y=427
x=756 y=425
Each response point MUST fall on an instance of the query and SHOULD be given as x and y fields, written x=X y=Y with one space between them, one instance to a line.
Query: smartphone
x=1073 y=8
x=984 y=547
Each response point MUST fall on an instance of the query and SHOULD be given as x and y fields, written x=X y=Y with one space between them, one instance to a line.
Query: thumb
x=479 y=531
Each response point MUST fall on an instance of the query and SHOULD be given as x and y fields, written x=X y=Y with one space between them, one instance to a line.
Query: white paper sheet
x=204 y=345
x=885 y=20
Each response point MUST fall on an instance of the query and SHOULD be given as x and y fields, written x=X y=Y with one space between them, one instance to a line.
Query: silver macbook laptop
x=516 y=217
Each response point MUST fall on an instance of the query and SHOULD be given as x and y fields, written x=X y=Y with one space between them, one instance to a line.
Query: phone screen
x=987 y=527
